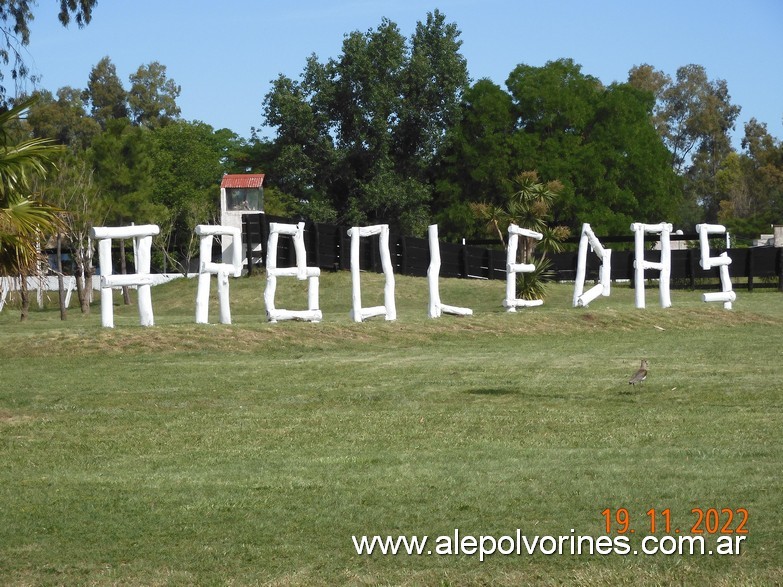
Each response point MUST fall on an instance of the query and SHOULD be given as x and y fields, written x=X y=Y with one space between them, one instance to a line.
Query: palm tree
x=529 y=206
x=23 y=219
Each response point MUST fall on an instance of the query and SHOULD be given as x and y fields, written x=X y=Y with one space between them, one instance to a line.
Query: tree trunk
x=87 y=270
x=60 y=279
x=83 y=281
x=87 y=290
x=80 y=293
x=24 y=295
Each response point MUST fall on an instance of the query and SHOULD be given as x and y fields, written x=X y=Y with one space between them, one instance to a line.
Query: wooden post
x=402 y=247
x=780 y=269
x=60 y=278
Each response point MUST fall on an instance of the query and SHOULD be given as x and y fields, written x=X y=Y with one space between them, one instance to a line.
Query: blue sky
x=224 y=54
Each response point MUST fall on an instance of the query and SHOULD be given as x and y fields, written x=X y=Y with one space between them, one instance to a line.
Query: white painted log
x=301 y=252
x=297 y=232
x=722 y=262
x=595 y=244
x=605 y=272
x=300 y=271
x=202 y=298
x=521 y=268
x=705 y=230
x=313 y=282
x=512 y=268
x=105 y=263
x=294 y=272
x=207 y=268
x=664 y=283
x=143 y=264
x=216 y=268
x=725 y=281
x=371 y=312
x=358 y=314
x=269 y=295
x=638 y=264
x=112 y=232
x=433 y=272
x=271 y=249
x=524 y=304
x=581 y=266
x=455 y=310
x=303 y=315
x=514 y=229
x=582 y=298
x=436 y=307
x=130 y=279
x=223 y=298
x=372 y=230
x=720 y=296
x=142 y=250
x=212 y=230
x=388 y=271
x=356 y=283
x=591 y=294
x=664 y=265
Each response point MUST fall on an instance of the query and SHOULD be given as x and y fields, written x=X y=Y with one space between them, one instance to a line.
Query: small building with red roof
x=241 y=193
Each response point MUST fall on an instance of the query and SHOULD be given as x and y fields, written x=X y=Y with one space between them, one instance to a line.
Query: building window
x=241 y=199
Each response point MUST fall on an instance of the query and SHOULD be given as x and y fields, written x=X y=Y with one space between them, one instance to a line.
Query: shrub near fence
x=328 y=247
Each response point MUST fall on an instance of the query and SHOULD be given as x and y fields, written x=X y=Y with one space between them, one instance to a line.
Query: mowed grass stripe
x=251 y=454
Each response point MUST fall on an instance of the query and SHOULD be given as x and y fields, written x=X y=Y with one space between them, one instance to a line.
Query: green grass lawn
x=187 y=454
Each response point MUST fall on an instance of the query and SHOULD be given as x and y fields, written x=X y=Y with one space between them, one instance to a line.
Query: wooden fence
x=328 y=247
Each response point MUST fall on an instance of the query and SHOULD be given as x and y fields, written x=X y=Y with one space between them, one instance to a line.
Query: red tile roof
x=244 y=180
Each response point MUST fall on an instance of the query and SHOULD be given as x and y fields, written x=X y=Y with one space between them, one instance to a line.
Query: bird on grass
x=641 y=374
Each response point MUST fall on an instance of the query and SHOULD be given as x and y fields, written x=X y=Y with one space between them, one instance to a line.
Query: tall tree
x=122 y=159
x=187 y=167
x=72 y=189
x=105 y=93
x=153 y=97
x=598 y=141
x=63 y=119
x=359 y=130
x=750 y=184
x=432 y=85
x=476 y=161
x=15 y=19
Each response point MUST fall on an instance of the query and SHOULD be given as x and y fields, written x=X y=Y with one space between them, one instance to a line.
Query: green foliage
x=186 y=168
x=694 y=116
x=477 y=159
x=360 y=132
x=64 y=119
x=529 y=206
x=105 y=93
x=750 y=184
x=596 y=140
x=15 y=18
x=152 y=99
x=122 y=159
x=24 y=219
x=534 y=285
x=391 y=131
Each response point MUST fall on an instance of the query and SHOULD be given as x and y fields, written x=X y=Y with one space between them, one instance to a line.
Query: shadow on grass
x=492 y=391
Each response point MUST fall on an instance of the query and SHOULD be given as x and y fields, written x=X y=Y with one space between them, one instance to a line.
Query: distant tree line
x=393 y=130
